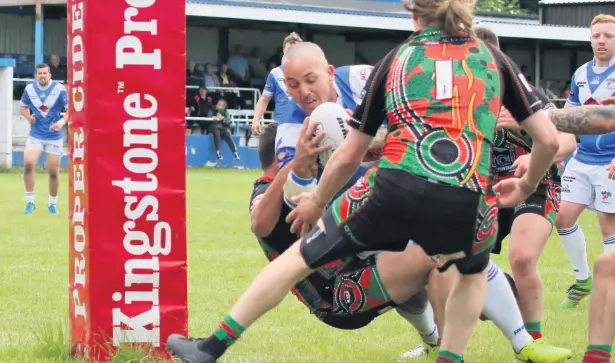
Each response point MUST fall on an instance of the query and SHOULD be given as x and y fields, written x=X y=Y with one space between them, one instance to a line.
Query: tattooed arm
x=588 y=120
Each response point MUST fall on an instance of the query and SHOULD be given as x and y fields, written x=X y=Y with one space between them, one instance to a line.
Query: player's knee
x=29 y=167
x=605 y=265
x=564 y=220
x=522 y=261
x=474 y=265
x=607 y=224
x=54 y=174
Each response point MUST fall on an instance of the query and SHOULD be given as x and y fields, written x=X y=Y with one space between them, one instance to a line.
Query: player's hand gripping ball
x=333 y=120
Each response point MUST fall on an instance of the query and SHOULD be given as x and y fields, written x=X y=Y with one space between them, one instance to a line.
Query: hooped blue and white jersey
x=46 y=105
x=590 y=85
x=349 y=82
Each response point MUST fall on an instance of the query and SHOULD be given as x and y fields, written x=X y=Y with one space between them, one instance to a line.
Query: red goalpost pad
x=127 y=211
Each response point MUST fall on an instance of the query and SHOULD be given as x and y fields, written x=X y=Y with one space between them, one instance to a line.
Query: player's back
x=443 y=96
x=589 y=86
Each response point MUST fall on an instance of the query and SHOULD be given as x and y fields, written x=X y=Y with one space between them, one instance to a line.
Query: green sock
x=587 y=280
x=229 y=331
x=534 y=329
x=448 y=357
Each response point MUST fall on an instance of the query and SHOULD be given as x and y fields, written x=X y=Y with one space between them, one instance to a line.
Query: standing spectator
x=219 y=128
x=256 y=64
x=275 y=59
x=210 y=79
x=58 y=71
x=238 y=63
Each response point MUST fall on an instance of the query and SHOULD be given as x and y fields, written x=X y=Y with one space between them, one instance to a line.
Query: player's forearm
x=260 y=108
x=24 y=112
x=584 y=120
x=567 y=145
x=340 y=167
x=265 y=216
x=541 y=159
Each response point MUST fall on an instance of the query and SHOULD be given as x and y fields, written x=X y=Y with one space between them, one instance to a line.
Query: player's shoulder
x=59 y=86
x=277 y=73
x=582 y=70
x=359 y=71
x=29 y=87
x=260 y=187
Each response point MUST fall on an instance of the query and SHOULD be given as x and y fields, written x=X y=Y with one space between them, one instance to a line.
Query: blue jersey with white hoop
x=590 y=85
x=46 y=105
x=349 y=82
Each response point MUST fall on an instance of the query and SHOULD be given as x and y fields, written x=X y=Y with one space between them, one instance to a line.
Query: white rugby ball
x=333 y=120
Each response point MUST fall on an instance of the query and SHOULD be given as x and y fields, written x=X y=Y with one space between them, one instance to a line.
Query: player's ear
x=331 y=71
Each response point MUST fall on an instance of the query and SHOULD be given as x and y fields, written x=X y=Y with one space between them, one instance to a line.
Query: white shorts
x=588 y=185
x=53 y=147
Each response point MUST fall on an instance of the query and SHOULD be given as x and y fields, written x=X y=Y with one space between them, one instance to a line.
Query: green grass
x=223 y=257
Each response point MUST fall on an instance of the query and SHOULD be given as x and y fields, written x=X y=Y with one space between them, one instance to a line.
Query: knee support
x=475 y=264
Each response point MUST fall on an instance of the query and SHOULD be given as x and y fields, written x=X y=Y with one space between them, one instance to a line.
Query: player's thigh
x=32 y=152
x=532 y=226
x=604 y=189
x=53 y=155
x=404 y=274
x=576 y=184
x=360 y=288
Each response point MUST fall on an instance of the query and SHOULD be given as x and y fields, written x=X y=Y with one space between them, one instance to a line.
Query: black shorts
x=453 y=225
x=544 y=203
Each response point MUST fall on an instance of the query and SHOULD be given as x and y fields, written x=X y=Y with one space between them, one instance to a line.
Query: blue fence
x=199 y=151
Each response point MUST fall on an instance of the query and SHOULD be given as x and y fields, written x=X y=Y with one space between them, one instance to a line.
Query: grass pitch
x=223 y=257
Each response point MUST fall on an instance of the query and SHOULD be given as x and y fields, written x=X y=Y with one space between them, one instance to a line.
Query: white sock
x=575 y=247
x=30 y=196
x=418 y=312
x=609 y=244
x=53 y=200
x=502 y=309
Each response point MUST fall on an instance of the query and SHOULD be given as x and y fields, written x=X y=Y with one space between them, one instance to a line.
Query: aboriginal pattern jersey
x=441 y=96
x=343 y=293
x=511 y=144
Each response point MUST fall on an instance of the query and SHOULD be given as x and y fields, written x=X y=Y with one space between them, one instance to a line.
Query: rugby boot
x=537 y=351
x=52 y=209
x=421 y=350
x=576 y=292
x=30 y=207
x=187 y=350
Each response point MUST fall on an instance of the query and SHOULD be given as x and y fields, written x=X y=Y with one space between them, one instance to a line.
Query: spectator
x=58 y=71
x=201 y=106
x=546 y=89
x=210 y=79
x=256 y=64
x=225 y=78
x=275 y=59
x=192 y=72
x=220 y=129
x=525 y=70
x=566 y=91
x=238 y=63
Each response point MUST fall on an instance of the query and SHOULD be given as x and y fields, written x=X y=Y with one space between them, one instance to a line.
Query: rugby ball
x=331 y=119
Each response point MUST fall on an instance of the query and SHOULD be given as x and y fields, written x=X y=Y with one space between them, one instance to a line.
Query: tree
x=499 y=6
